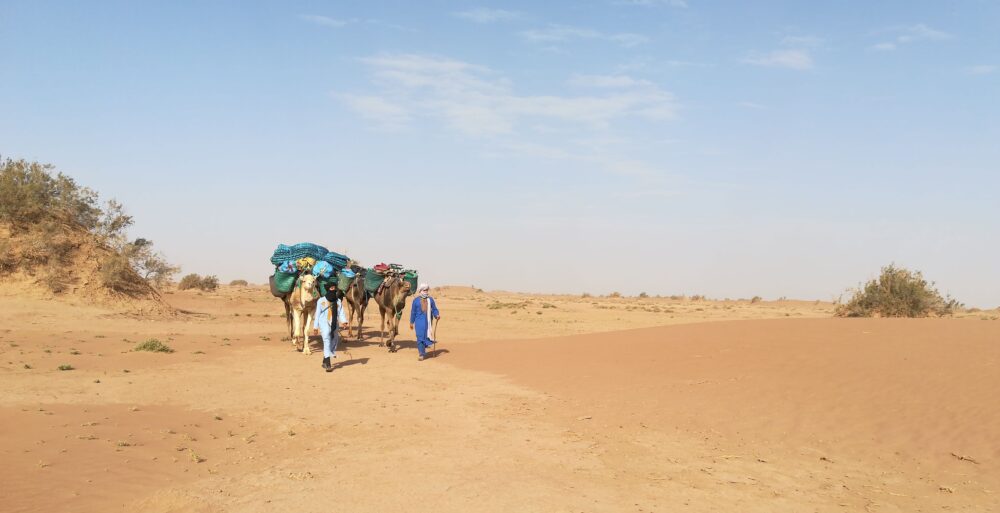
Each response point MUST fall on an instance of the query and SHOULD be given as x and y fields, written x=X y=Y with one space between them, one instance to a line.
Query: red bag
x=383 y=267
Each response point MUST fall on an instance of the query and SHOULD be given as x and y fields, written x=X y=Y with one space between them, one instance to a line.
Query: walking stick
x=434 y=336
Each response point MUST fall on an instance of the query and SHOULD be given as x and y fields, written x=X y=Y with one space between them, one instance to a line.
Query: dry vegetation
x=898 y=292
x=55 y=233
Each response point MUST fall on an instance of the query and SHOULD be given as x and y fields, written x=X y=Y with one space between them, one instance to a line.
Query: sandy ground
x=532 y=403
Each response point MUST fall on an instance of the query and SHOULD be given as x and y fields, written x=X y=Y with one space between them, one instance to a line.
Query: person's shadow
x=352 y=361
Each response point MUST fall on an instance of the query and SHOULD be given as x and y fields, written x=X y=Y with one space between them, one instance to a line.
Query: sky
x=731 y=149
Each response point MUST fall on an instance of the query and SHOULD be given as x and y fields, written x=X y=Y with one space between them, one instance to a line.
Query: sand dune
x=720 y=412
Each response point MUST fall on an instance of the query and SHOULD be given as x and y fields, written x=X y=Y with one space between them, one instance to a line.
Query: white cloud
x=791 y=59
x=324 y=21
x=752 y=105
x=476 y=101
x=486 y=15
x=903 y=35
x=563 y=33
x=384 y=113
x=983 y=69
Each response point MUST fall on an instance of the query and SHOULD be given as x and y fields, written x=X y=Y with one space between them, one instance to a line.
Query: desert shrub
x=615 y=294
x=189 y=281
x=643 y=295
x=897 y=292
x=65 y=367
x=238 y=283
x=209 y=283
x=31 y=193
x=585 y=295
x=8 y=259
x=195 y=281
x=756 y=299
x=697 y=297
x=117 y=274
x=50 y=208
x=154 y=346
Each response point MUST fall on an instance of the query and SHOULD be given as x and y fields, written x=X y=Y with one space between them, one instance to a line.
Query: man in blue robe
x=422 y=311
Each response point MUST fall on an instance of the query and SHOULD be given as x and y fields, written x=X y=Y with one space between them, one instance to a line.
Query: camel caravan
x=306 y=272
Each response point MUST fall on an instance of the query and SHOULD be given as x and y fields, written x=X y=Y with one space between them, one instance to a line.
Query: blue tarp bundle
x=336 y=259
x=322 y=269
x=300 y=250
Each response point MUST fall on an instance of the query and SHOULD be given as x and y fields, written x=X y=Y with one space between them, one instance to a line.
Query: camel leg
x=361 y=320
x=296 y=328
x=306 y=331
x=350 y=319
x=288 y=316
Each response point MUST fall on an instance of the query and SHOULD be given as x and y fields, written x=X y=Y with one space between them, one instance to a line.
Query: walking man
x=422 y=311
x=327 y=328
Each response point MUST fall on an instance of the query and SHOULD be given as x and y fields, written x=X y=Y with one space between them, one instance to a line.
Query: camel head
x=308 y=283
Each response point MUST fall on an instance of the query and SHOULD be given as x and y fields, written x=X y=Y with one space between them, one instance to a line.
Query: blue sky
x=722 y=148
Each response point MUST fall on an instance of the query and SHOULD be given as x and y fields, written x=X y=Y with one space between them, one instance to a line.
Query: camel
x=391 y=299
x=357 y=299
x=302 y=300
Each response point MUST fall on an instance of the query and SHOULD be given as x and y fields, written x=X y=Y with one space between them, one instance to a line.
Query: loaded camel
x=301 y=301
x=391 y=299
x=357 y=301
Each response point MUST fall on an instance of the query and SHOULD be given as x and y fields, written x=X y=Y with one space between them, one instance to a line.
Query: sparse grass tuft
x=66 y=367
x=154 y=346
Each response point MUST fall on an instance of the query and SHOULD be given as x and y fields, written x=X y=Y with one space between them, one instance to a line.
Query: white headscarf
x=423 y=289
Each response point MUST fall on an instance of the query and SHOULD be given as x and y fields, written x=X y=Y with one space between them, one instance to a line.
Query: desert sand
x=531 y=403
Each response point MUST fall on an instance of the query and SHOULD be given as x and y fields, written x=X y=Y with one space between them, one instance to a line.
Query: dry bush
x=190 y=281
x=239 y=283
x=194 y=281
x=615 y=294
x=897 y=292
x=643 y=295
x=117 y=274
x=8 y=259
x=756 y=299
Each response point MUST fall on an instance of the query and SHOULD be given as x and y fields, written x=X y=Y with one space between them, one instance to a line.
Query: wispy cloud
x=791 y=59
x=651 y=3
x=752 y=105
x=383 y=113
x=476 y=101
x=902 y=35
x=562 y=33
x=324 y=21
x=983 y=69
x=487 y=15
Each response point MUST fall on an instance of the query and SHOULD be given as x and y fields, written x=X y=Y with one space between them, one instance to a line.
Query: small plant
x=585 y=295
x=154 y=346
x=66 y=367
x=615 y=294
x=239 y=283
x=643 y=295
x=756 y=299
x=26 y=366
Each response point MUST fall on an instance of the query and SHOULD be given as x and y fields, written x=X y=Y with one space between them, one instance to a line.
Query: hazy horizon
x=659 y=146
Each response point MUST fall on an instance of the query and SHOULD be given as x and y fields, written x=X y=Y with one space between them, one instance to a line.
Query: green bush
x=897 y=292
x=154 y=346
